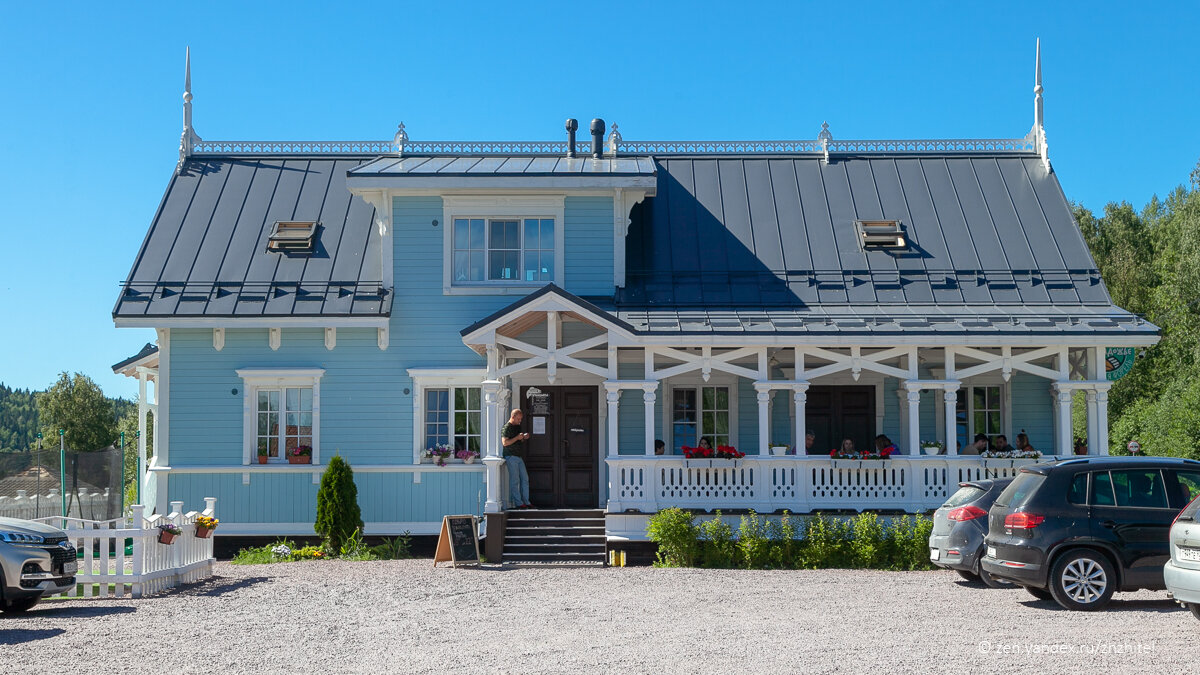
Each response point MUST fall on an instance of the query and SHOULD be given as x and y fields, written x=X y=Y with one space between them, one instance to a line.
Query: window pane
x=994 y=422
x=708 y=426
x=1189 y=483
x=462 y=266
x=548 y=233
x=306 y=399
x=462 y=233
x=532 y=234
x=263 y=428
x=306 y=423
x=473 y=426
x=305 y=440
x=722 y=398
x=1140 y=488
x=993 y=398
x=272 y=447
x=431 y=399
x=496 y=235
x=262 y=444
x=685 y=399
x=1077 y=493
x=273 y=424
x=460 y=423
x=1102 y=491
x=980 y=422
x=512 y=235
x=293 y=424
x=460 y=398
x=292 y=396
x=473 y=443
x=531 y=271
x=263 y=401
x=547 y=266
x=980 y=398
x=477 y=234
x=722 y=423
x=709 y=398
x=473 y=398
x=476 y=269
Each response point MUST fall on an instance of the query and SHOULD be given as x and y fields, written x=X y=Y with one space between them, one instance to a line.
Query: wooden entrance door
x=563 y=451
x=835 y=413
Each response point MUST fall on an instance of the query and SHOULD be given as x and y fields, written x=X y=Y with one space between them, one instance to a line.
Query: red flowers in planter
x=722 y=452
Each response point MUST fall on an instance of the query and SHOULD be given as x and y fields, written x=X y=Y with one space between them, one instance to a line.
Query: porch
x=758 y=390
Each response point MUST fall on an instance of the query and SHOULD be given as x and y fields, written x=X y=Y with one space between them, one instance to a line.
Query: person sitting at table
x=846 y=449
x=809 y=439
x=706 y=443
x=980 y=445
x=1002 y=444
x=884 y=446
x=1023 y=442
x=660 y=448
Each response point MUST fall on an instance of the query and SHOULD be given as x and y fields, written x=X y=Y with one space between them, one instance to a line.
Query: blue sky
x=91 y=112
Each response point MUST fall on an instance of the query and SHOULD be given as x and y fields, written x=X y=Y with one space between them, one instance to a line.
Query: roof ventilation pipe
x=597 y=138
x=572 y=125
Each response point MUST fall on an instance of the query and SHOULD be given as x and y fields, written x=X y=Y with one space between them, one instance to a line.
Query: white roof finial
x=1038 y=133
x=825 y=138
x=400 y=138
x=189 y=137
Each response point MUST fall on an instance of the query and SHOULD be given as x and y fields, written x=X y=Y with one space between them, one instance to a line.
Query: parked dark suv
x=1078 y=530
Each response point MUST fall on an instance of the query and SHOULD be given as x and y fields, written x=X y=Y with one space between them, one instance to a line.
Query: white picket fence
x=29 y=507
x=107 y=569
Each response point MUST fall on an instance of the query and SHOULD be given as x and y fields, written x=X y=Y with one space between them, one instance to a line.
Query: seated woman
x=706 y=443
x=1023 y=442
x=846 y=449
x=884 y=446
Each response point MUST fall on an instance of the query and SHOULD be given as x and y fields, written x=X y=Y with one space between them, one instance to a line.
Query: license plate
x=935 y=553
x=69 y=568
x=1190 y=554
x=991 y=552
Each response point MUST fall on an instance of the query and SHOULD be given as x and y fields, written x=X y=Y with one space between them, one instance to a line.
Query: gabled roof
x=742 y=231
x=206 y=252
x=147 y=356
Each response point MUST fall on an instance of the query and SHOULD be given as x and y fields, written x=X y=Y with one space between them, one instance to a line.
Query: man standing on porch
x=513 y=440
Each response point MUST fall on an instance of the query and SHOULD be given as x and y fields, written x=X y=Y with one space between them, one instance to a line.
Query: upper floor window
x=504 y=250
x=502 y=243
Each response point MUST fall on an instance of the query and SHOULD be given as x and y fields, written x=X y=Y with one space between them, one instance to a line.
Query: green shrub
x=396 y=548
x=867 y=541
x=675 y=532
x=718 y=547
x=909 y=543
x=754 y=542
x=338 y=515
x=785 y=542
x=259 y=555
x=825 y=543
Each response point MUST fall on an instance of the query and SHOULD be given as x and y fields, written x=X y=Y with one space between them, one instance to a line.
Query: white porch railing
x=797 y=484
x=107 y=568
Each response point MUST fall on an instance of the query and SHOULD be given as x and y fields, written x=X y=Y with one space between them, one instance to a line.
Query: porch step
x=555 y=536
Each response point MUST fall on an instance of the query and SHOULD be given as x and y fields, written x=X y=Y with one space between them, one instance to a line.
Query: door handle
x=1110 y=524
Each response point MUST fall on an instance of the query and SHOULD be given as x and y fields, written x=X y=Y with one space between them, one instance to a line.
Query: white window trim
x=694 y=382
x=255 y=378
x=439 y=378
x=500 y=207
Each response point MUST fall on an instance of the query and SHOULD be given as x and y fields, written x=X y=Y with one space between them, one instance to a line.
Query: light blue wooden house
x=375 y=299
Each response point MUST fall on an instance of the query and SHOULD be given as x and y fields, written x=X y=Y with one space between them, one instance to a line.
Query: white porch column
x=613 y=397
x=950 y=399
x=492 y=458
x=1100 y=446
x=1063 y=397
x=1092 y=432
x=141 y=440
x=648 y=398
x=800 y=398
x=764 y=417
x=914 y=417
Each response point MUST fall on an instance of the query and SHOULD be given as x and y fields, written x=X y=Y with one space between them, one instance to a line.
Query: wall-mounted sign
x=539 y=426
x=1118 y=361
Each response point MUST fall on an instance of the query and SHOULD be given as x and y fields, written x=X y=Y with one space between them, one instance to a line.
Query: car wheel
x=19 y=605
x=991 y=581
x=1082 y=580
x=969 y=576
x=1195 y=607
x=1040 y=593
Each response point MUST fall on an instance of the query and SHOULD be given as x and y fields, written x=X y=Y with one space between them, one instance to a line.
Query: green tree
x=77 y=405
x=338 y=515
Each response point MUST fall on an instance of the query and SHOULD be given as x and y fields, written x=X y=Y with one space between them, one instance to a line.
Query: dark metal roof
x=148 y=350
x=514 y=165
x=737 y=232
x=205 y=254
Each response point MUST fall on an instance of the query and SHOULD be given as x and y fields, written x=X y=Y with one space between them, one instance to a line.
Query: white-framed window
x=281 y=411
x=447 y=409
x=502 y=244
x=704 y=410
x=979 y=410
x=505 y=250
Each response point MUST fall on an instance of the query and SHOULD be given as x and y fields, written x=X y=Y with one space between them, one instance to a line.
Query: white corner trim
x=330 y=337
x=382 y=337
x=274 y=337
x=218 y=338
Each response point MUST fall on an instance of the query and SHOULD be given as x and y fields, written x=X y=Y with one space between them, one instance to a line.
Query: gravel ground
x=405 y=616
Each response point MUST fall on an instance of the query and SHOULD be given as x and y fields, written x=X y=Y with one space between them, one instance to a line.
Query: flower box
x=847 y=463
x=165 y=537
x=203 y=532
x=698 y=463
x=779 y=450
x=299 y=459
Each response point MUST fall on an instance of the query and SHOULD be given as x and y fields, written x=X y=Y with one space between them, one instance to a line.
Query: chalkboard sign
x=458 y=541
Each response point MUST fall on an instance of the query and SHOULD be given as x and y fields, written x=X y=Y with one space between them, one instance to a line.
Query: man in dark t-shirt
x=513 y=440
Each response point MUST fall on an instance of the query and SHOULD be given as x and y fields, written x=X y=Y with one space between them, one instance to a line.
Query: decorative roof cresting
x=189 y=138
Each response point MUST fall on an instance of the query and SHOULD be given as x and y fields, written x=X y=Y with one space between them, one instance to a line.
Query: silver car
x=36 y=561
x=1182 y=572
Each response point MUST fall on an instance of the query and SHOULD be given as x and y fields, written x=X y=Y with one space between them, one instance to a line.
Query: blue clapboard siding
x=292 y=498
x=747 y=417
x=782 y=427
x=891 y=410
x=588 y=246
x=1032 y=410
x=631 y=418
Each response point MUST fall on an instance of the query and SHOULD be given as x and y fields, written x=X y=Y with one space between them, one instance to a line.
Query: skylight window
x=292 y=236
x=881 y=234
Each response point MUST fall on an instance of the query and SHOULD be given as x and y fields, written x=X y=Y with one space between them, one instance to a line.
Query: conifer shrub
x=338 y=515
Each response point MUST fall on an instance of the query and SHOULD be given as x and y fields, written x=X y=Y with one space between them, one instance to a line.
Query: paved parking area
x=405 y=616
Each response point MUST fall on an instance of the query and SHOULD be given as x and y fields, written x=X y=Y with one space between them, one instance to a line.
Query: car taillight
x=1023 y=521
x=968 y=512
